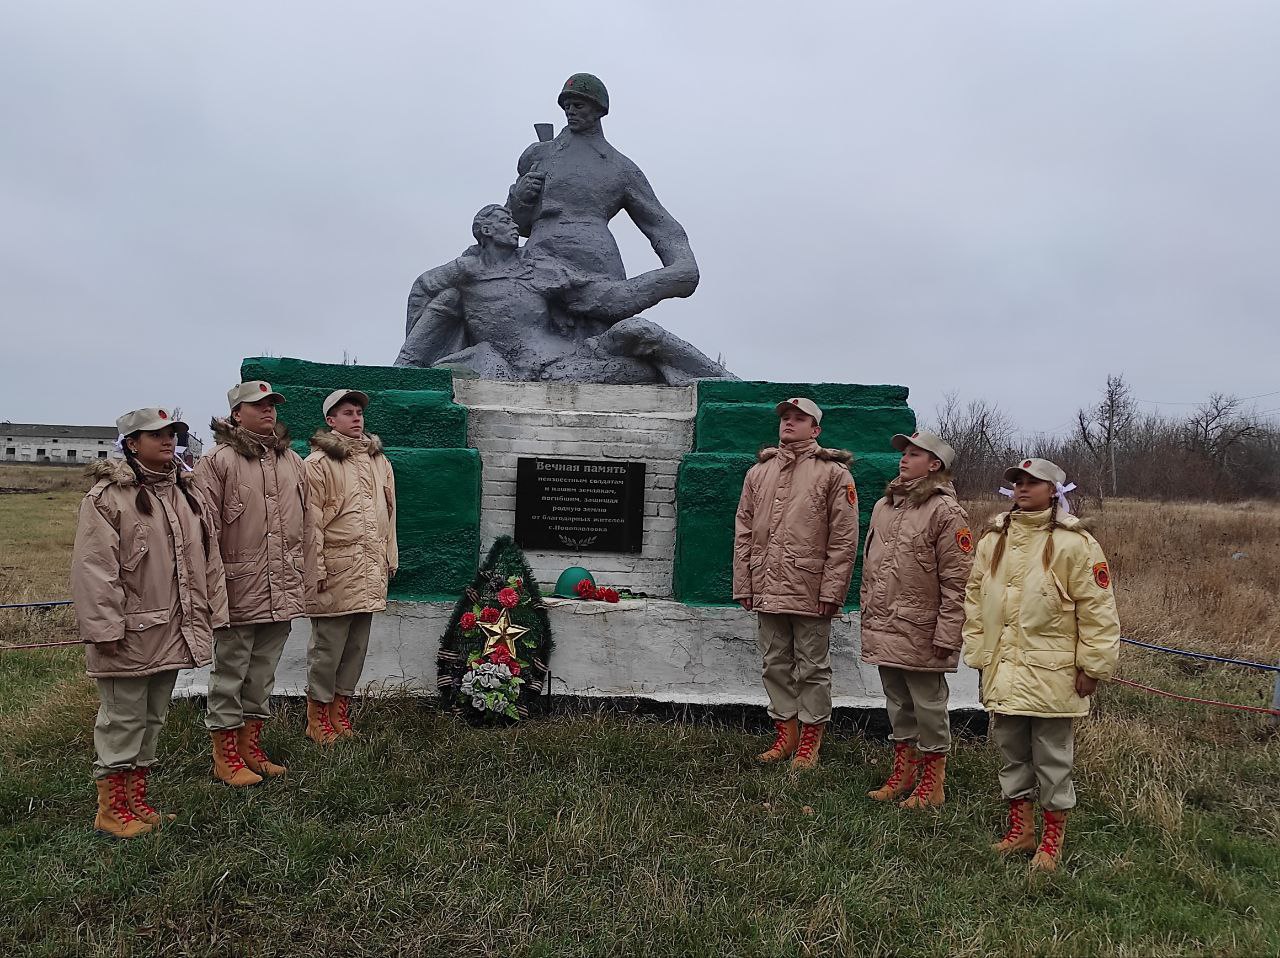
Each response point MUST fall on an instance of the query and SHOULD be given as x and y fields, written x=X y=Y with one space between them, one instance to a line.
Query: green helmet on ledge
x=588 y=87
x=567 y=584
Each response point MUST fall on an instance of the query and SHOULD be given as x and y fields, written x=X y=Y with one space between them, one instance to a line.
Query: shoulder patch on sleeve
x=1102 y=575
x=964 y=539
x=852 y=493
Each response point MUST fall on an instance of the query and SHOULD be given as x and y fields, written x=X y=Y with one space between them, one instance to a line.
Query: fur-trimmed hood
x=841 y=456
x=934 y=484
x=335 y=445
x=116 y=472
x=1001 y=519
x=227 y=433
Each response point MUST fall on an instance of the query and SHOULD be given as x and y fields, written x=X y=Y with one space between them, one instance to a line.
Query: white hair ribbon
x=1060 y=495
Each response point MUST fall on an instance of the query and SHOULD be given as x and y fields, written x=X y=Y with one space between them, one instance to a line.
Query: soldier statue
x=561 y=307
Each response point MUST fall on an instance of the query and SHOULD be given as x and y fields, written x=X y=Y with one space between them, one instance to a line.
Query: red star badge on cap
x=262 y=387
x=1026 y=464
x=163 y=414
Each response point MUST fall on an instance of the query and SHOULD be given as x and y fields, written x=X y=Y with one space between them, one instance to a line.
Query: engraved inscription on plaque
x=579 y=505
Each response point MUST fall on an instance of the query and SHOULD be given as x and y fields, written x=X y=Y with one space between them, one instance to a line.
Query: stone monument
x=531 y=399
x=561 y=308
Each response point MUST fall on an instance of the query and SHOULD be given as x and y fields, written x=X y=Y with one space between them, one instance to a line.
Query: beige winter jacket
x=146 y=581
x=258 y=493
x=1029 y=628
x=917 y=559
x=352 y=505
x=796 y=534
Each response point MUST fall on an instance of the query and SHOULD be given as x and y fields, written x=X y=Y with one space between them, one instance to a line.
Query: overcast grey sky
x=1009 y=199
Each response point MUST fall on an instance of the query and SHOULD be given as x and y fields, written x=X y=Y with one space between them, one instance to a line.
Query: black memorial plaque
x=579 y=505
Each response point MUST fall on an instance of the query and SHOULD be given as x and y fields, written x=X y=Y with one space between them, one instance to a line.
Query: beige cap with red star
x=253 y=391
x=148 y=420
x=807 y=406
x=930 y=442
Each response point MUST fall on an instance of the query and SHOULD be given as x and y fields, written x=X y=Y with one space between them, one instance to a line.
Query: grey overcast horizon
x=1009 y=200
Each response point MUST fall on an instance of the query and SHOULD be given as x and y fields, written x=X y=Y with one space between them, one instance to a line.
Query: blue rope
x=34 y=605
x=1202 y=655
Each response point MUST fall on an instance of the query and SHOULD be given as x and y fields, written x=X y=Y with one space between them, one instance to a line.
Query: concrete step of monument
x=667 y=401
x=645 y=648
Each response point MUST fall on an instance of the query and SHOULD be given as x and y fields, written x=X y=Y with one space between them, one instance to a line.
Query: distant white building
x=63 y=445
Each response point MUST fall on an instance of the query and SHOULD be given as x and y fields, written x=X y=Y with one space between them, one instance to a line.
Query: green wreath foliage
x=496 y=689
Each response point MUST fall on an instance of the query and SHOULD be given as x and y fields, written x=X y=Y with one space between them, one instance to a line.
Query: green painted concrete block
x=824 y=394
x=429 y=419
x=331 y=376
x=708 y=488
x=425 y=435
x=438 y=522
x=734 y=420
x=734 y=427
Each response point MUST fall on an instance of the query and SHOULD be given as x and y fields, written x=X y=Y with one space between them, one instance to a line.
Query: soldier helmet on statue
x=588 y=87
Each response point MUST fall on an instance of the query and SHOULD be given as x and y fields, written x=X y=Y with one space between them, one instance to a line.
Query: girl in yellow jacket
x=1042 y=627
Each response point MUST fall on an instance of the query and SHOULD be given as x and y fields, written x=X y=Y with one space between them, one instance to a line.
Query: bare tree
x=1103 y=427
x=982 y=435
x=1219 y=431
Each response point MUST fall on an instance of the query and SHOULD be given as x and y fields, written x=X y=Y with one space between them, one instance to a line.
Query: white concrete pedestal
x=649 y=424
x=644 y=648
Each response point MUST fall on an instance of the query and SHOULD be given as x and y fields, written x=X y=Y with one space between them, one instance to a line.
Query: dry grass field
x=610 y=834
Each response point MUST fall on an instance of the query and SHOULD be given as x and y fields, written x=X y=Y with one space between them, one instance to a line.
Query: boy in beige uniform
x=351 y=508
x=256 y=489
x=795 y=540
x=918 y=553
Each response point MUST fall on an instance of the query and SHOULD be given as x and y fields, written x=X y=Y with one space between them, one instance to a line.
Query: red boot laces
x=119 y=799
x=929 y=776
x=1052 y=840
x=140 y=792
x=230 y=753
x=325 y=725
x=255 y=747
x=900 y=765
x=779 y=742
x=344 y=719
x=1017 y=821
x=808 y=740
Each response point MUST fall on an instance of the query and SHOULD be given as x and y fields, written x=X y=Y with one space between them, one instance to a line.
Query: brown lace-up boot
x=806 y=756
x=340 y=716
x=903 y=776
x=249 y=745
x=928 y=792
x=1021 y=836
x=137 y=797
x=1050 y=850
x=319 y=728
x=784 y=743
x=114 y=816
x=228 y=766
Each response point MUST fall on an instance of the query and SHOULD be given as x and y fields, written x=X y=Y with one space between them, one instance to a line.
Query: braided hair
x=1047 y=556
x=998 y=552
x=1053 y=524
x=142 y=499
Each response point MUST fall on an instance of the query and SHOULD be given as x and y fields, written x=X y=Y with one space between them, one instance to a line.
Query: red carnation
x=609 y=595
x=509 y=598
x=468 y=621
x=586 y=589
x=489 y=614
